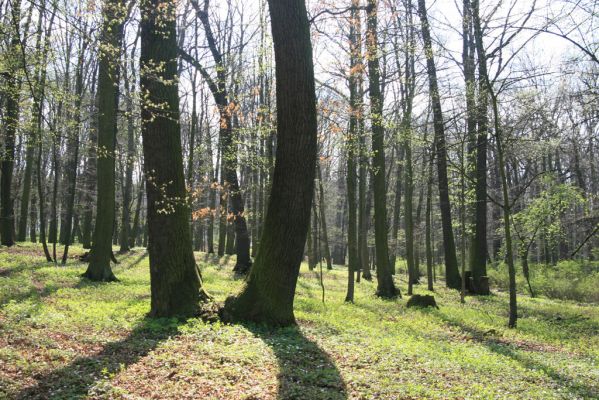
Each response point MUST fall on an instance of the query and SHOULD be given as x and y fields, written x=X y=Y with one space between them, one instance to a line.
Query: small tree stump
x=422 y=301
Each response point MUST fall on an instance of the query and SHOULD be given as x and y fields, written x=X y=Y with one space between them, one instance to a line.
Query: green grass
x=63 y=337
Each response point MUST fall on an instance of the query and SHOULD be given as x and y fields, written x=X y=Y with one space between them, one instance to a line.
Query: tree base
x=422 y=301
x=388 y=294
x=242 y=269
x=249 y=307
x=101 y=277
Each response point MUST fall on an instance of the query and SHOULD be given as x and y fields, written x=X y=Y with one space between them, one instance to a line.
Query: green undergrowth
x=576 y=280
x=63 y=337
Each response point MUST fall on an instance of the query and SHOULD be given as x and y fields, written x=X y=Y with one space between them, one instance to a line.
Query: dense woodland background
x=462 y=135
x=268 y=178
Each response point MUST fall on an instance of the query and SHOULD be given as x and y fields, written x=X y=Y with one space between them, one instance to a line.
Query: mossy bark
x=270 y=289
x=10 y=121
x=176 y=284
x=107 y=98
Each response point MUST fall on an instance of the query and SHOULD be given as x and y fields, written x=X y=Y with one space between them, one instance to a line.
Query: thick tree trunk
x=11 y=122
x=176 y=283
x=270 y=289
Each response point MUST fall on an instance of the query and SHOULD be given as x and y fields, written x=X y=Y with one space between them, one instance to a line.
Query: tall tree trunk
x=270 y=289
x=478 y=247
x=509 y=253
x=227 y=146
x=73 y=157
x=385 y=286
x=452 y=273
x=108 y=95
x=430 y=262
x=352 y=152
x=136 y=218
x=176 y=283
x=129 y=164
x=396 y=208
x=38 y=108
x=211 y=197
x=11 y=122
x=30 y=158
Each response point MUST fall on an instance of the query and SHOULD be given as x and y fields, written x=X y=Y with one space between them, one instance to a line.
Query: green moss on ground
x=65 y=337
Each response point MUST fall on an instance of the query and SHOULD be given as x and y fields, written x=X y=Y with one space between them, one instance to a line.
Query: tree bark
x=108 y=95
x=269 y=293
x=11 y=122
x=176 y=283
x=452 y=273
x=478 y=247
x=385 y=286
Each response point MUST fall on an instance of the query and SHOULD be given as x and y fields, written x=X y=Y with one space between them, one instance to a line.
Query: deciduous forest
x=299 y=199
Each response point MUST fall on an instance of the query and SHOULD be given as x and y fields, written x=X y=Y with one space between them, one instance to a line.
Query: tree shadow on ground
x=305 y=370
x=125 y=260
x=77 y=378
x=523 y=356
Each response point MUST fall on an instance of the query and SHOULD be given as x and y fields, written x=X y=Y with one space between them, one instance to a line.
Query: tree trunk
x=478 y=247
x=11 y=122
x=125 y=232
x=73 y=158
x=323 y=220
x=385 y=286
x=108 y=95
x=452 y=273
x=270 y=289
x=176 y=284
x=352 y=153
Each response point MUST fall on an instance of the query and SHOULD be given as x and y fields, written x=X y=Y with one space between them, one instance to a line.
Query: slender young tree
x=452 y=273
x=352 y=152
x=478 y=247
x=270 y=289
x=176 y=282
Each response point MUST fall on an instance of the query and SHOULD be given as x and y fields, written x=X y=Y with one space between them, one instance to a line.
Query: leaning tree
x=269 y=292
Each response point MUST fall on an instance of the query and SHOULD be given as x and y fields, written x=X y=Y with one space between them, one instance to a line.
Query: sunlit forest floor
x=64 y=337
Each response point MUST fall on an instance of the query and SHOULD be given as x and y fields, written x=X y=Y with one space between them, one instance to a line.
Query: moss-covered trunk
x=10 y=122
x=107 y=100
x=176 y=283
x=270 y=289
